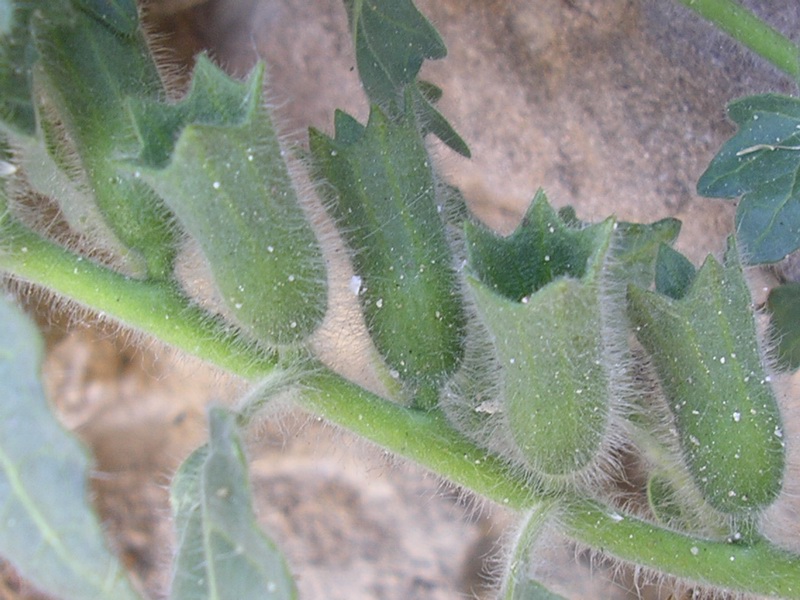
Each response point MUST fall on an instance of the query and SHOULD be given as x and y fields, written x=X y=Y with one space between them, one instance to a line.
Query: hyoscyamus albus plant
x=517 y=372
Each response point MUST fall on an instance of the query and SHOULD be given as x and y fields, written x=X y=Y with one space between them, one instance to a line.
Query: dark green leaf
x=761 y=164
x=392 y=39
x=383 y=196
x=222 y=553
x=674 y=273
x=784 y=306
x=433 y=122
x=216 y=160
x=49 y=531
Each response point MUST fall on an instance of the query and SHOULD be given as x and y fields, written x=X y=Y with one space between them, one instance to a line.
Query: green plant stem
x=427 y=439
x=158 y=309
x=423 y=437
x=746 y=28
x=754 y=568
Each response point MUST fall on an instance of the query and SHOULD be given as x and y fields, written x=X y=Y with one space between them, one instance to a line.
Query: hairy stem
x=153 y=307
x=427 y=439
x=424 y=437
x=746 y=28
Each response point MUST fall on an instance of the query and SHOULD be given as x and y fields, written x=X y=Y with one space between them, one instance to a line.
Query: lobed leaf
x=515 y=274
x=541 y=249
x=50 y=532
x=222 y=553
x=432 y=121
x=761 y=164
x=216 y=160
x=383 y=197
x=392 y=39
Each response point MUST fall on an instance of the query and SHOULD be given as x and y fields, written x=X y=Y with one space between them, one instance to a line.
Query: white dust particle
x=355 y=285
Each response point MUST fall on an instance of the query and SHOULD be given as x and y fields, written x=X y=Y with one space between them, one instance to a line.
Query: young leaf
x=539 y=293
x=392 y=39
x=91 y=58
x=784 y=307
x=216 y=160
x=383 y=198
x=705 y=350
x=49 y=531
x=222 y=553
x=761 y=164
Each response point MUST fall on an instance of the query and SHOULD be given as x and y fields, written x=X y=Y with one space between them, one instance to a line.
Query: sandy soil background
x=612 y=106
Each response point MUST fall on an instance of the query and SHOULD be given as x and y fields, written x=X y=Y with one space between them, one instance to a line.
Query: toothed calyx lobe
x=538 y=292
x=216 y=160
x=87 y=58
x=701 y=335
x=382 y=196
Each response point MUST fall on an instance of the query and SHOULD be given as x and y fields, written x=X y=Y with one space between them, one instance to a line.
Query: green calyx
x=539 y=292
x=86 y=59
x=704 y=347
x=383 y=197
x=217 y=162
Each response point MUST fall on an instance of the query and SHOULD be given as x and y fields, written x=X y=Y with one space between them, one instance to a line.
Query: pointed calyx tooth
x=539 y=294
x=382 y=195
x=216 y=160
